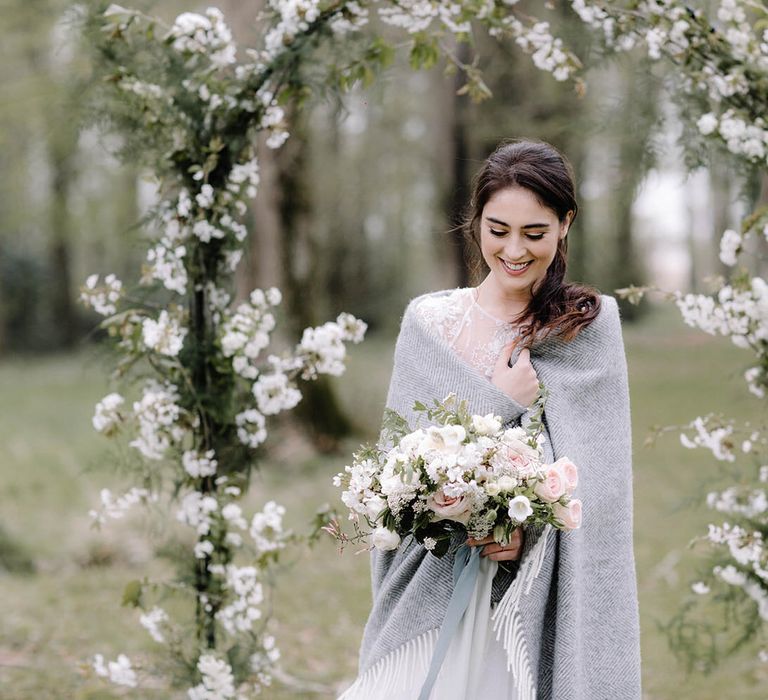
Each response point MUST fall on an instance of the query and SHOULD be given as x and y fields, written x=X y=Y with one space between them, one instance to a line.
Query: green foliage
x=376 y=56
x=707 y=630
x=394 y=426
x=14 y=558
x=425 y=51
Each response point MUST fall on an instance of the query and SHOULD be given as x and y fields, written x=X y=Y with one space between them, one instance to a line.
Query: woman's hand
x=520 y=381
x=493 y=550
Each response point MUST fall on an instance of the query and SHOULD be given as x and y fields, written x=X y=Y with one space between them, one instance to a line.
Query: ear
x=565 y=227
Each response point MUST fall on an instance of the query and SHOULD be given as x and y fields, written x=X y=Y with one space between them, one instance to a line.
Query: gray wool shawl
x=575 y=628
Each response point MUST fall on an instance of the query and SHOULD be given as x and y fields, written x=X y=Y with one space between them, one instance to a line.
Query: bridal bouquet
x=464 y=472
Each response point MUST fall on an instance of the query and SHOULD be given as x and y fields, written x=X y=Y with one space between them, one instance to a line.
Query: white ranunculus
x=385 y=539
x=520 y=509
x=409 y=444
x=506 y=483
x=487 y=424
x=514 y=435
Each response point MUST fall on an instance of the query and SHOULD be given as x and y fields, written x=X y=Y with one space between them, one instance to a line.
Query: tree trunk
x=319 y=409
x=639 y=106
x=61 y=152
x=458 y=191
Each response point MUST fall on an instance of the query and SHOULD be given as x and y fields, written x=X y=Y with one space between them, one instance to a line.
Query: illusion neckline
x=474 y=293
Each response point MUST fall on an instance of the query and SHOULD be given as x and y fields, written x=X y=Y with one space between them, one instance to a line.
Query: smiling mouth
x=510 y=268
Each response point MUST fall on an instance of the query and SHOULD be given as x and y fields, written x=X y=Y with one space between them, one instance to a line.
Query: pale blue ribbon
x=466 y=564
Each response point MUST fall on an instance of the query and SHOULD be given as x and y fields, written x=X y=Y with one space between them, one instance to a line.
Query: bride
x=553 y=614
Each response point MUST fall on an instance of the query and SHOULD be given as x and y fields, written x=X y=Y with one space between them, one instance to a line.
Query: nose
x=515 y=249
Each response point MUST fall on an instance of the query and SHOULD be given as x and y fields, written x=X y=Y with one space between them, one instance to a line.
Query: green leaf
x=441 y=548
x=382 y=51
x=424 y=52
x=132 y=594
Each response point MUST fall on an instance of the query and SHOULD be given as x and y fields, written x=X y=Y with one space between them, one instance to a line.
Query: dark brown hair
x=541 y=168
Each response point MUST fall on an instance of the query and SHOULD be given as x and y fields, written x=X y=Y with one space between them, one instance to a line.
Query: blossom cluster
x=748 y=138
x=245 y=333
x=419 y=15
x=218 y=681
x=117 y=507
x=740 y=312
x=107 y=417
x=266 y=528
x=159 y=417
x=713 y=435
x=161 y=421
x=164 y=335
x=153 y=622
x=206 y=34
x=547 y=52
x=322 y=348
x=246 y=597
x=745 y=547
x=102 y=298
x=119 y=672
x=720 y=56
x=196 y=511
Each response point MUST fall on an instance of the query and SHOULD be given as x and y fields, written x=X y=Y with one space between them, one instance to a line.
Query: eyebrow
x=504 y=223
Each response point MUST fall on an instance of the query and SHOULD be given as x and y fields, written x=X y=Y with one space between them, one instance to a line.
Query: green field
x=52 y=466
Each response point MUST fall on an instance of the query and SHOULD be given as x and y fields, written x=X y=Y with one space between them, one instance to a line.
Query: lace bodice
x=476 y=335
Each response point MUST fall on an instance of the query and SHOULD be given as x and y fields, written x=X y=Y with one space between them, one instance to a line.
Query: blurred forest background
x=357 y=212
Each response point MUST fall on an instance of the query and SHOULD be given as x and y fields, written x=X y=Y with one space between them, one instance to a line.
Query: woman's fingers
x=505 y=355
x=473 y=542
x=497 y=552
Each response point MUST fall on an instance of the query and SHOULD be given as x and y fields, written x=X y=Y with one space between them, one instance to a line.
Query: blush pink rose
x=569 y=515
x=518 y=457
x=570 y=473
x=449 y=507
x=553 y=486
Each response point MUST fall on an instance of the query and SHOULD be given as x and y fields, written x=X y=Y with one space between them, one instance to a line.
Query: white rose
x=520 y=509
x=391 y=484
x=492 y=488
x=385 y=539
x=487 y=424
x=447 y=439
x=374 y=506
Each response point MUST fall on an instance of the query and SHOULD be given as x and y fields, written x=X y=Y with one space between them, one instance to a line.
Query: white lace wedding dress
x=475 y=666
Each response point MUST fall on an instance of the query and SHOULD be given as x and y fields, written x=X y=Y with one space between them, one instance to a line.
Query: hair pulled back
x=540 y=168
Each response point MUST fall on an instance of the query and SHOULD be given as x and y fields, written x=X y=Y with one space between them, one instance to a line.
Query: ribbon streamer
x=466 y=565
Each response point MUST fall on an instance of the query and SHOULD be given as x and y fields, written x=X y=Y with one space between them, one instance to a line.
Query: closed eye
x=532 y=236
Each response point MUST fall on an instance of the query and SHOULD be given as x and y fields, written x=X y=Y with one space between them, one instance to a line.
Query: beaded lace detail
x=476 y=335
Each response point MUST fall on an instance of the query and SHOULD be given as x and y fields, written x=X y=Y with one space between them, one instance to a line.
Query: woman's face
x=515 y=228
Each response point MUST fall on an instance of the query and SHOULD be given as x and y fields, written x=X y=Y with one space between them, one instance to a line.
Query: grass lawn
x=52 y=467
